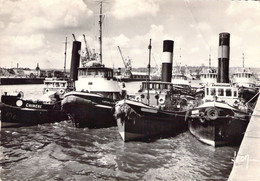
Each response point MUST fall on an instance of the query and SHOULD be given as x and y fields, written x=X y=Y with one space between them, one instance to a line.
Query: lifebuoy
x=19 y=103
x=138 y=98
x=61 y=91
x=212 y=113
x=161 y=100
x=202 y=117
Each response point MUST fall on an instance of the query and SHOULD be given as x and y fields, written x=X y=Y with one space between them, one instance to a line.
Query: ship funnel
x=75 y=58
x=223 y=58
x=167 y=58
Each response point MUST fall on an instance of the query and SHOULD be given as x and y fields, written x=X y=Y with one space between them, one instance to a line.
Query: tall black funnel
x=75 y=58
x=167 y=58
x=223 y=58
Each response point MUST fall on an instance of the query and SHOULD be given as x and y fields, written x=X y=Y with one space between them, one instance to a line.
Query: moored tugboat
x=96 y=90
x=92 y=104
x=221 y=116
x=157 y=111
x=17 y=111
x=245 y=80
x=56 y=85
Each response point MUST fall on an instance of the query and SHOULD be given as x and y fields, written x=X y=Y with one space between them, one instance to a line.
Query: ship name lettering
x=33 y=105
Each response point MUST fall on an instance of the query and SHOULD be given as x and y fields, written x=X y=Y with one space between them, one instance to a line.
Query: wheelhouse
x=244 y=78
x=179 y=76
x=221 y=92
x=95 y=72
x=157 y=86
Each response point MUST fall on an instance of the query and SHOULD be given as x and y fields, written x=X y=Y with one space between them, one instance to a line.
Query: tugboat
x=208 y=77
x=221 y=117
x=245 y=80
x=91 y=105
x=157 y=110
x=55 y=85
x=17 y=111
x=179 y=79
x=96 y=90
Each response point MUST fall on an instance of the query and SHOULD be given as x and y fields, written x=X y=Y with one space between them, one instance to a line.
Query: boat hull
x=91 y=112
x=16 y=111
x=147 y=123
x=227 y=129
x=16 y=117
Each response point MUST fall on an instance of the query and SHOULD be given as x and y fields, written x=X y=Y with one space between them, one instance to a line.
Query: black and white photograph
x=129 y=90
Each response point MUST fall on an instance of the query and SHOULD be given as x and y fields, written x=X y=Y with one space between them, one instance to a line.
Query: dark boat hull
x=225 y=130
x=89 y=112
x=16 y=111
x=143 y=122
x=16 y=117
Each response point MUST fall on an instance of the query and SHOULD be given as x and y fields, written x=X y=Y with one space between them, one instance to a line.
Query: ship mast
x=149 y=68
x=65 y=53
x=243 y=60
x=210 y=58
x=100 y=31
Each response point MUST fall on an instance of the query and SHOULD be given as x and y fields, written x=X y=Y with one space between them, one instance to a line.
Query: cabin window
x=57 y=85
x=220 y=92
x=207 y=91
x=228 y=92
x=235 y=93
x=212 y=91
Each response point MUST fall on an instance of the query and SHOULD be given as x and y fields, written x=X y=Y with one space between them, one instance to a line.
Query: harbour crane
x=88 y=52
x=122 y=56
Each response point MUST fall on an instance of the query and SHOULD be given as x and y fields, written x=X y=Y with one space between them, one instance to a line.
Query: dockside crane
x=88 y=52
x=122 y=56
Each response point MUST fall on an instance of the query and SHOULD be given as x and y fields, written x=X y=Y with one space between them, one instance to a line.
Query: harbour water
x=60 y=151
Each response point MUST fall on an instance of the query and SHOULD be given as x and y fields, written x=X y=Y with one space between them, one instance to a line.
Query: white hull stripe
x=103 y=106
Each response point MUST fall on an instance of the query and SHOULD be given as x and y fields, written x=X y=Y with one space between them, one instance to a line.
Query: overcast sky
x=34 y=31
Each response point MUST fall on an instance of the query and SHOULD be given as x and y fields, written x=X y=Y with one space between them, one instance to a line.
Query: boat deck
x=247 y=162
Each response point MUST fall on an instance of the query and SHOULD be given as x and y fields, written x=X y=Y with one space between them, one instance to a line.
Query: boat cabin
x=244 y=78
x=221 y=92
x=181 y=80
x=54 y=84
x=96 y=72
x=156 y=86
x=158 y=92
x=179 y=76
x=97 y=79
x=210 y=76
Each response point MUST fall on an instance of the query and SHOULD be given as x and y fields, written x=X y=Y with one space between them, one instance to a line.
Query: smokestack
x=167 y=60
x=75 y=57
x=223 y=58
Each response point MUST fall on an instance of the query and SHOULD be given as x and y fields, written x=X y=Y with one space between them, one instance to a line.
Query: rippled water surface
x=59 y=151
